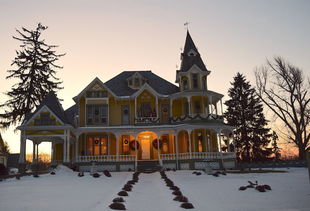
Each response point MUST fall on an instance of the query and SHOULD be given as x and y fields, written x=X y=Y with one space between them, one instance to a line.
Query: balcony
x=196 y=117
x=147 y=120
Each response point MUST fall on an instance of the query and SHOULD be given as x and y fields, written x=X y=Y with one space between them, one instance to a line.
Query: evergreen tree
x=275 y=148
x=35 y=72
x=245 y=112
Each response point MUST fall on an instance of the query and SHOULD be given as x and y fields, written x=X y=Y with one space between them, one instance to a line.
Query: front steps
x=148 y=166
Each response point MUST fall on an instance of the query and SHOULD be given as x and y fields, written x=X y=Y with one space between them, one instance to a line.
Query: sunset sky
x=103 y=38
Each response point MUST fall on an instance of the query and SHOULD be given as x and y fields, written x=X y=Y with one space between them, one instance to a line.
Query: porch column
x=221 y=107
x=52 y=152
x=156 y=109
x=216 y=110
x=170 y=106
x=64 y=156
x=136 y=115
x=158 y=149
x=136 y=151
x=33 y=152
x=22 y=148
x=77 y=148
x=189 y=143
x=210 y=109
x=68 y=146
x=220 y=143
x=189 y=102
x=117 y=136
x=176 y=149
x=37 y=152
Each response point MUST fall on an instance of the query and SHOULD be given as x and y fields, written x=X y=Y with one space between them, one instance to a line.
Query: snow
x=66 y=191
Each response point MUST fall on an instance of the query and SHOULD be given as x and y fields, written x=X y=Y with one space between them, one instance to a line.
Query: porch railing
x=106 y=158
x=147 y=120
x=198 y=155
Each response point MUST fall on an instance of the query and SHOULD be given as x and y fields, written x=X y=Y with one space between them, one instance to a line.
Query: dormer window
x=192 y=53
x=136 y=82
x=185 y=84
x=195 y=80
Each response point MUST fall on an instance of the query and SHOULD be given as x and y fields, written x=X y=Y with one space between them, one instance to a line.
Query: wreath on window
x=155 y=143
x=132 y=145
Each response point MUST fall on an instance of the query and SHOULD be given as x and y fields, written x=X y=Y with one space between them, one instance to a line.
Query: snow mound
x=63 y=169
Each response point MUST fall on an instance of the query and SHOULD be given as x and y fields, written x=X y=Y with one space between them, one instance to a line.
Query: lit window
x=97 y=145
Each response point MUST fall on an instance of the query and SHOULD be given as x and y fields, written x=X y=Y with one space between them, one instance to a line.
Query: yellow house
x=3 y=154
x=136 y=117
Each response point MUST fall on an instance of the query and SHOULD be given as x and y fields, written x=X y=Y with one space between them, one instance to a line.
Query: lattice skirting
x=184 y=166
x=202 y=165
x=126 y=167
x=169 y=165
x=98 y=168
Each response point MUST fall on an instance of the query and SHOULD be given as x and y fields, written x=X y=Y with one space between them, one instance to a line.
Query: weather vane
x=186 y=24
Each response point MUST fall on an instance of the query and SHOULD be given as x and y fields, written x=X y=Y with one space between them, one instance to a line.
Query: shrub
x=129 y=169
x=187 y=205
x=174 y=188
x=260 y=188
x=118 y=199
x=127 y=188
x=250 y=186
x=267 y=187
x=117 y=206
x=174 y=169
x=131 y=182
x=198 y=173
x=17 y=177
x=180 y=199
x=107 y=173
x=81 y=174
x=242 y=188
x=3 y=170
x=168 y=169
x=53 y=173
x=215 y=174
x=122 y=193
x=177 y=193
x=96 y=175
x=36 y=175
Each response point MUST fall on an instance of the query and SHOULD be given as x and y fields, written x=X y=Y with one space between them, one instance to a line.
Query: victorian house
x=134 y=117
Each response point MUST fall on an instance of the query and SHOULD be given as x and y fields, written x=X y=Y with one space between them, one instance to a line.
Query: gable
x=44 y=117
x=95 y=89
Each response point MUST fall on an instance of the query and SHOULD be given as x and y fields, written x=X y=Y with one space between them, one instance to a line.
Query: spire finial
x=186 y=24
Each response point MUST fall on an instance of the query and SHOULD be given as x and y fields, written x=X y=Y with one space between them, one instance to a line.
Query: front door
x=165 y=113
x=146 y=149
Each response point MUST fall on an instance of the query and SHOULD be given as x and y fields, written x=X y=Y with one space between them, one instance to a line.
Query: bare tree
x=282 y=87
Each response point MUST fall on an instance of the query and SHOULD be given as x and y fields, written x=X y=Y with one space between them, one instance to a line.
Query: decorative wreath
x=155 y=145
x=132 y=145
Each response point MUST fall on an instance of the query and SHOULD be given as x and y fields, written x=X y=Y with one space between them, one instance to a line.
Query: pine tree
x=245 y=112
x=275 y=149
x=35 y=72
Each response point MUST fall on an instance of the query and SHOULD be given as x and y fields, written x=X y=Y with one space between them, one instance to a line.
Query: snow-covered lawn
x=67 y=191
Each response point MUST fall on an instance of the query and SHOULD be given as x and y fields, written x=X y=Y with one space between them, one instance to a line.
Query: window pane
x=103 y=144
x=195 y=80
x=90 y=146
x=96 y=144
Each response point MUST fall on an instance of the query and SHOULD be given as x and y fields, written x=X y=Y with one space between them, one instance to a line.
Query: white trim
x=76 y=98
x=39 y=111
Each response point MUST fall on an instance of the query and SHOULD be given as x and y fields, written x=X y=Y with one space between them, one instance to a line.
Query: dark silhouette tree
x=282 y=87
x=35 y=72
x=275 y=149
x=245 y=112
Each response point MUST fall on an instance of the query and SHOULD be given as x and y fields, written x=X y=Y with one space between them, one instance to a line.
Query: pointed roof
x=119 y=84
x=1 y=143
x=52 y=102
x=190 y=55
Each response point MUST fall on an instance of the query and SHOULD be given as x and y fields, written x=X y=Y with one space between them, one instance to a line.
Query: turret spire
x=190 y=55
